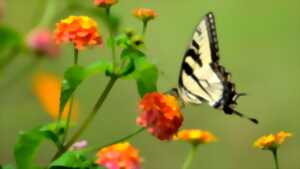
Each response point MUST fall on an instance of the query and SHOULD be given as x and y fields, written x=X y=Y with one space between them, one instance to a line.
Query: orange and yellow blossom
x=79 y=30
x=119 y=156
x=160 y=114
x=47 y=88
x=105 y=3
x=195 y=136
x=272 y=141
x=144 y=14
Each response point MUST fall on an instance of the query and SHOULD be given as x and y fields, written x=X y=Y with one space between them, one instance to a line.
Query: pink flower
x=119 y=156
x=79 y=145
x=42 y=42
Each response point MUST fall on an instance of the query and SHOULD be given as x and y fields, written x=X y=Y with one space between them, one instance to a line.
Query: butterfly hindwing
x=202 y=78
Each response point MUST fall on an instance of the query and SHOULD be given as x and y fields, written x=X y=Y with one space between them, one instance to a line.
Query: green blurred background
x=259 y=43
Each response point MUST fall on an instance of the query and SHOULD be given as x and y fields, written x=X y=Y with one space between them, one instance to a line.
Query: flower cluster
x=80 y=30
x=195 y=136
x=160 y=114
x=42 y=43
x=47 y=88
x=119 y=156
x=272 y=141
x=144 y=14
x=105 y=3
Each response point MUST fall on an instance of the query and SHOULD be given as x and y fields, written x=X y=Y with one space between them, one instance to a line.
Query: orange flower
x=144 y=14
x=160 y=114
x=195 y=136
x=47 y=88
x=105 y=3
x=272 y=141
x=42 y=43
x=119 y=156
x=80 y=30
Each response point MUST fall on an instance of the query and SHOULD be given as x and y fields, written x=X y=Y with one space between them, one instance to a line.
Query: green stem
x=48 y=14
x=21 y=74
x=187 y=163
x=127 y=137
x=90 y=117
x=145 y=24
x=111 y=34
x=76 y=53
x=274 y=152
x=68 y=119
x=12 y=54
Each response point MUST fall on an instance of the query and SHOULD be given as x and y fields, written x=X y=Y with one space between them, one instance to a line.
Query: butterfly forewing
x=197 y=77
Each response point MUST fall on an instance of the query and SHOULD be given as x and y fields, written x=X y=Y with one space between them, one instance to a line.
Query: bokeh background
x=259 y=43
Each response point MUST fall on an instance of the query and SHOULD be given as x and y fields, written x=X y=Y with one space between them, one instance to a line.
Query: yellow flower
x=272 y=141
x=195 y=136
x=80 y=30
x=47 y=89
x=144 y=14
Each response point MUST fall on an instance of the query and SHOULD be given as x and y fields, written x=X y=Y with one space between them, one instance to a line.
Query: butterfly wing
x=198 y=81
x=202 y=78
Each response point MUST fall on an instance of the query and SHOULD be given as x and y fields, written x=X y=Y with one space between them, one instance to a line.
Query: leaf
x=76 y=74
x=74 y=160
x=144 y=72
x=10 y=38
x=72 y=78
x=98 y=67
x=71 y=159
x=146 y=76
x=6 y=167
x=28 y=143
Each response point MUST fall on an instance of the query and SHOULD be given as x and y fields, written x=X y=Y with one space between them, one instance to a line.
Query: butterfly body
x=202 y=79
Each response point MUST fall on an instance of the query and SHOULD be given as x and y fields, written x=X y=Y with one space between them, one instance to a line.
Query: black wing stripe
x=212 y=34
x=195 y=44
x=201 y=99
x=195 y=56
x=189 y=71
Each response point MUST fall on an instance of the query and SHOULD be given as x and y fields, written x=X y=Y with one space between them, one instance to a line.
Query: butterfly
x=202 y=79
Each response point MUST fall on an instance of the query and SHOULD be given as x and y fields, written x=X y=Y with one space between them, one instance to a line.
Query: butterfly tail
x=253 y=120
x=229 y=110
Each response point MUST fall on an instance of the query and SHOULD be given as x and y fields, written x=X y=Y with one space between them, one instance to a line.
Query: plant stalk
x=90 y=117
x=274 y=152
x=187 y=163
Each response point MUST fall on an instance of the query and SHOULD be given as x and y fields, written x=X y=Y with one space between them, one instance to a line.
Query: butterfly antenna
x=253 y=120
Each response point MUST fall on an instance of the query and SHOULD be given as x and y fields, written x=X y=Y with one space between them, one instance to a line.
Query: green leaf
x=72 y=78
x=76 y=74
x=28 y=143
x=144 y=72
x=74 y=160
x=98 y=67
x=71 y=159
x=6 y=167
x=10 y=38
x=146 y=76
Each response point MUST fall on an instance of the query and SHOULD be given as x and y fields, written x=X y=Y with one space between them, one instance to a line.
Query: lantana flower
x=105 y=3
x=42 y=42
x=195 y=136
x=79 y=30
x=119 y=156
x=144 y=14
x=79 y=145
x=160 y=114
x=272 y=141
x=47 y=88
